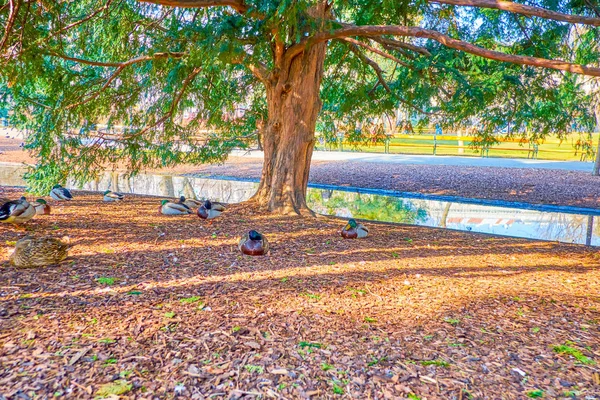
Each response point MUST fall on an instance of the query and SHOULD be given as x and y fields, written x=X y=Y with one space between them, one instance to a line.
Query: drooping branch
x=120 y=67
x=237 y=5
x=377 y=51
x=524 y=10
x=378 y=71
x=379 y=30
x=119 y=63
x=173 y=107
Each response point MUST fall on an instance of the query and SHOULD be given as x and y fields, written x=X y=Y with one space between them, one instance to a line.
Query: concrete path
x=437 y=160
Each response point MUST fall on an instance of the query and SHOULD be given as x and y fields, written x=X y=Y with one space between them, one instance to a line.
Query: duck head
x=253 y=235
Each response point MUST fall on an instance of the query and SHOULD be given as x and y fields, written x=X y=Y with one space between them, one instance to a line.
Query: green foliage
x=171 y=80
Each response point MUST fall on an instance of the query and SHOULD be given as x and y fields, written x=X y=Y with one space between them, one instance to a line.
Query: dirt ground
x=532 y=185
x=151 y=306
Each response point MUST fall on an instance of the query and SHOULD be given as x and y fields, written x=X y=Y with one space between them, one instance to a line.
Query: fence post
x=387 y=145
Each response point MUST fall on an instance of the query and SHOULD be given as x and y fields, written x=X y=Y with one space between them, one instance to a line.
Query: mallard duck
x=109 y=195
x=169 y=208
x=41 y=207
x=210 y=210
x=253 y=244
x=353 y=230
x=16 y=211
x=191 y=203
x=38 y=252
x=60 y=193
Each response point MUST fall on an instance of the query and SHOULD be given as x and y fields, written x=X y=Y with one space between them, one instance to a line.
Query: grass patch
x=190 y=300
x=573 y=352
x=103 y=280
x=326 y=367
x=311 y=296
x=535 y=394
x=115 y=388
x=437 y=363
x=452 y=321
x=311 y=345
x=254 y=368
x=370 y=320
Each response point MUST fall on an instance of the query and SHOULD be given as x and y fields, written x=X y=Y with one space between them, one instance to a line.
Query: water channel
x=570 y=225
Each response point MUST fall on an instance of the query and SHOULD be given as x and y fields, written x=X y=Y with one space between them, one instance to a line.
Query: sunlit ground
x=150 y=305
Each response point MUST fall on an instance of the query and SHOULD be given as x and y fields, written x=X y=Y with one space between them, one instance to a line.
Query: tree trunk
x=289 y=135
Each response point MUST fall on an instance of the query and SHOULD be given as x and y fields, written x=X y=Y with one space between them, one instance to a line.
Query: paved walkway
x=437 y=160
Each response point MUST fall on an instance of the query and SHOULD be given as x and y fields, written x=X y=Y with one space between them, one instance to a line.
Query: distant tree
x=70 y=64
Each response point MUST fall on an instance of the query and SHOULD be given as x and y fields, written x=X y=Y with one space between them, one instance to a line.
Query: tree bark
x=289 y=135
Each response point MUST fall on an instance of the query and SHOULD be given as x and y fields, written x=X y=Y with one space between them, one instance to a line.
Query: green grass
x=452 y=321
x=326 y=367
x=535 y=394
x=337 y=389
x=311 y=296
x=189 y=300
x=573 y=352
x=437 y=363
x=254 y=368
x=103 y=280
x=370 y=320
x=546 y=149
x=315 y=345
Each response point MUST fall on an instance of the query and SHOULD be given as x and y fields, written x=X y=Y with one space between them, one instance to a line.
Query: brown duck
x=38 y=252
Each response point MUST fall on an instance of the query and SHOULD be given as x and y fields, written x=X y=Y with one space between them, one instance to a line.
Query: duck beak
x=347 y=227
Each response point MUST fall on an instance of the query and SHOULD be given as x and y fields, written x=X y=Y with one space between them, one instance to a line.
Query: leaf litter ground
x=150 y=306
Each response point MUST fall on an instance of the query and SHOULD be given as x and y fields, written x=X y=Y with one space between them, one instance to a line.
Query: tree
x=68 y=65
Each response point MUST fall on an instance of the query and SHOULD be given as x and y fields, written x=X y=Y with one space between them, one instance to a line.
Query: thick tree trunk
x=289 y=135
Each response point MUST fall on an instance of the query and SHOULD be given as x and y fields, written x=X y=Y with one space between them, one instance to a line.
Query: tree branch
x=120 y=67
x=354 y=48
x=14 y=10
x=237 y=5
x=118 y=63
x=174 y=104
x=377 y=51
x=524 y=10
x=395 y=43
x=379 y=30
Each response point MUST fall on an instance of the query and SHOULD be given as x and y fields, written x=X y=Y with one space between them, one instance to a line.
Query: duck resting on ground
x=210 y=210
x=109 y=195
x=60 y=193
x=169 y=208
x=354 y=230
x=191 y=203
x=38 y=252
x=41 y=207
x=16 y=211
x=253 y=244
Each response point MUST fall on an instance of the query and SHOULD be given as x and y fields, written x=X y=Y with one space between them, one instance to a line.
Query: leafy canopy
x=183 y=82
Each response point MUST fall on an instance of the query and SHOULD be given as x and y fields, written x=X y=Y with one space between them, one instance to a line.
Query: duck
x=17 y=211
x=38 y=252
x=60 y=193
x=41 y=207
x=354 y=230
x=210 y=210
x=109 y=195
x=253 y=244
x=169 y=208
x=191 y=203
